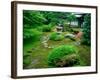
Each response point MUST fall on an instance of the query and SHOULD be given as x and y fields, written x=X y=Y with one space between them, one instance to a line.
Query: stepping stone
x=77 y=43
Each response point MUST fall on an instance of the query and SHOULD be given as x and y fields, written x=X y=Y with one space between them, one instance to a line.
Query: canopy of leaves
x=71 y=17
x=55 y=17
x=87 y=30
x=33 y=18
x=45 y=19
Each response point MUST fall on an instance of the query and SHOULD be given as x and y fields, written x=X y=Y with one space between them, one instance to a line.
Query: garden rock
x=69 y=36
x=67 y=61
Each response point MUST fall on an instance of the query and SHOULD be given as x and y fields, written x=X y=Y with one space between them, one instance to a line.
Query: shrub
x=36 y=34
x=58 y=53
x=39 y=28
x=26 y=60
x=56 y=37
x=32 y=33
x=46 y=28
x=87 y=30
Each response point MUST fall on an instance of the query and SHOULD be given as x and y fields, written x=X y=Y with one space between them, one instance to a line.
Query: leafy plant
x=56 y=37
x=32 y=33
x=46 y=28
x=58 y=53
x=71 y=17
x=87 y=30
x=33 y=18
x=26 y=60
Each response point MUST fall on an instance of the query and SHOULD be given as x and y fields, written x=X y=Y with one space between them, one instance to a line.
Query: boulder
x=69 y=36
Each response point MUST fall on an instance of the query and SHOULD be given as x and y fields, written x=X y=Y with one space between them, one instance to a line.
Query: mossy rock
x=68 y=61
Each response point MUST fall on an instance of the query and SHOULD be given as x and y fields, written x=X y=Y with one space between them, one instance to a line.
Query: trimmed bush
x=58 y=53
x=56 y=37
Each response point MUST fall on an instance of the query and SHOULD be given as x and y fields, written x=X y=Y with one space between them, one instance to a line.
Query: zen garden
x=56 y=39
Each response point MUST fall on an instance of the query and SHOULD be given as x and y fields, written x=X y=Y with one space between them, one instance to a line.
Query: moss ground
x=38 y=53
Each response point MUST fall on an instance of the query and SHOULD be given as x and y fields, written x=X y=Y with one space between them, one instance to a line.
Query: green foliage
x=87 y=30
x=55 y=17
x=37 y=18
x=32 y=33
x=56 y=37
x=71 y=17
x=58 y=53
x=27 y=33
x=26 y=60
x=33 y=18
x=67 y=27
x=46 y=29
